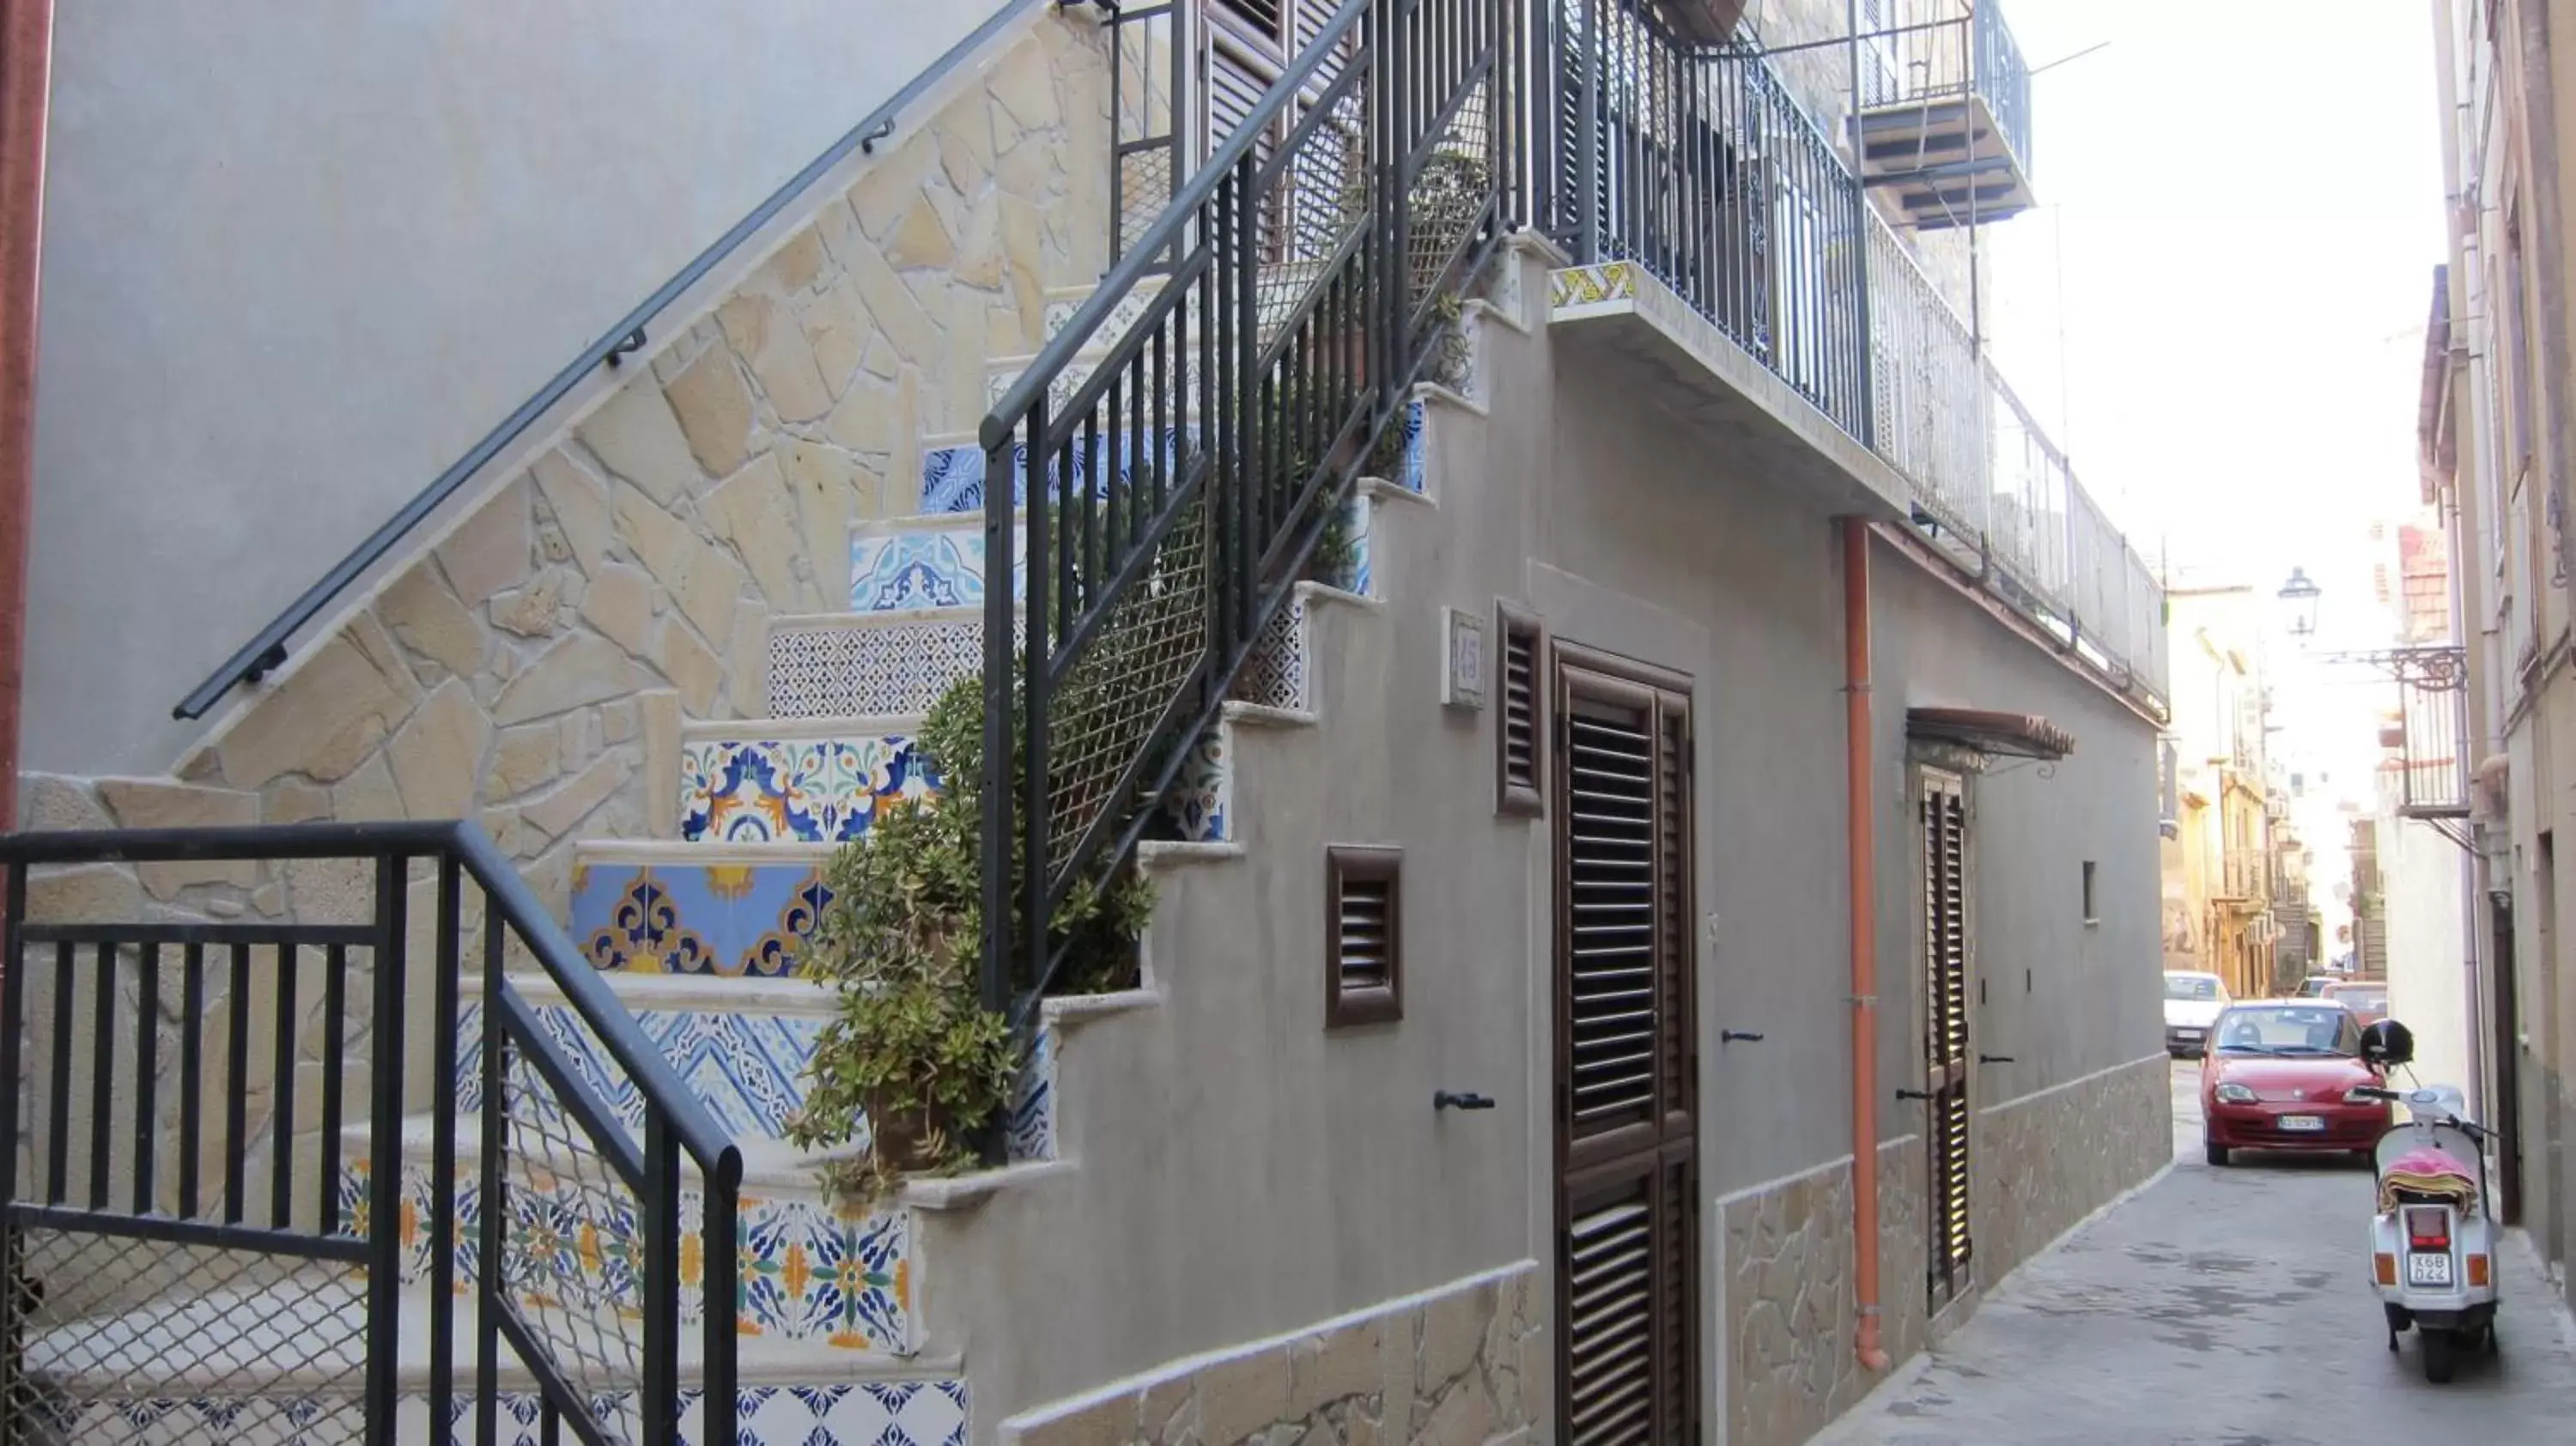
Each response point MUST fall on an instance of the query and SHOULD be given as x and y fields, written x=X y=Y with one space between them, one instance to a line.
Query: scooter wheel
x=2439 y=1358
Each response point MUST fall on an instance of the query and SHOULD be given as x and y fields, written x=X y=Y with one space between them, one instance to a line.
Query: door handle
x=1914 y=1094
x=1994 y=1059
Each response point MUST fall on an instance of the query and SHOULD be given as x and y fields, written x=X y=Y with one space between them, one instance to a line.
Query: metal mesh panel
x=114 y=1340
x=1103 y=713
x=1317 y=200
x=1447 y=199
x=571 y=1248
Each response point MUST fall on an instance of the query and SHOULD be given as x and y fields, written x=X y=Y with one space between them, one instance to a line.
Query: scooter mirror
x=2388 y=1044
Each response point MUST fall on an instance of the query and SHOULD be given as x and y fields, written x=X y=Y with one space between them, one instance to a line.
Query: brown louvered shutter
x=1519 y=723
x=1626 y=1063
x=1364 y=980
x=1946 y=944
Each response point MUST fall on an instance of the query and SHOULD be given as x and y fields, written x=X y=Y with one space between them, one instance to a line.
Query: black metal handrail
x=266 y=650
x=602 y=1347
x=1175 y=491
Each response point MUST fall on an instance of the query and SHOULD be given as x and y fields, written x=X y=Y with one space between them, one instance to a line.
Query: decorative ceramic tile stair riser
x=742 y=913
x=914 y=567
x=812 y=1273
x=952 y=474
x=910 y=1413
x=746 y=786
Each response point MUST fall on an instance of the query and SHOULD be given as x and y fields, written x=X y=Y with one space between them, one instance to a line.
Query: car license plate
x=2302 y=1124
x=2186 y=1034
x=2428 y=1269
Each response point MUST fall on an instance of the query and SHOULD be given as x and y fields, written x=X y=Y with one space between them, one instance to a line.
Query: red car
x=2279 y=1075
x=2366 y=998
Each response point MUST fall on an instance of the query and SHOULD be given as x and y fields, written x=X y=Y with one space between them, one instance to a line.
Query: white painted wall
x=2427 y=979
x=300 y=254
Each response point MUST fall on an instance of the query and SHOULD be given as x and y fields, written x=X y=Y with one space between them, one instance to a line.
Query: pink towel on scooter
x=2429 y=1172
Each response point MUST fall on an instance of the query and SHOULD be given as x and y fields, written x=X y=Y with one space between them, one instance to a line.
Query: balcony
x=1729 y=258
x=2241 y=876
x=1945 y=112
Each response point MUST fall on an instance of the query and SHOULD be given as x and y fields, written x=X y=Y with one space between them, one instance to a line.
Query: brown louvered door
x=1946 y=945
x=1626 y=1065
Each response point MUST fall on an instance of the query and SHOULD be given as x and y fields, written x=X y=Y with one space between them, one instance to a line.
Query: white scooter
x=2432 y=1242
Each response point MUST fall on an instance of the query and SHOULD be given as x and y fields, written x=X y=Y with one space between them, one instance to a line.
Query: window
x=1364 y=937
x=1520 y=765
x=2517 y=357
x=2092 y=906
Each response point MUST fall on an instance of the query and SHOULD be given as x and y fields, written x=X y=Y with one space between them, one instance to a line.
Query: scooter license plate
x=2302 y=1124
x=2428 y=1269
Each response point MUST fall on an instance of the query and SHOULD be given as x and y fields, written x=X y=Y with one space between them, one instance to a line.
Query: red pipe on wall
x=1859 y=797
x=26 y=83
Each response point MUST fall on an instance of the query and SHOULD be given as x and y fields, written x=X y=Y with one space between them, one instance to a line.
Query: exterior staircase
x=842 y=1331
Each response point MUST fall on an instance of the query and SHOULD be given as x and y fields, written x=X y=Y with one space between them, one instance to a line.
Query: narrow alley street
x=2227 y=1307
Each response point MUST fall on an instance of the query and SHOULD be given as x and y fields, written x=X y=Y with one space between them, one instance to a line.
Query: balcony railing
x=2241 y=874
x=1696 y=163
x=1945 y=110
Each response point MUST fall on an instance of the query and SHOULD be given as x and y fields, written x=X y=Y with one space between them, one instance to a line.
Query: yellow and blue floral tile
x=797 y=790
x=912 y=568
x=1592 y=285
x=683 y=918
x=805 y=1270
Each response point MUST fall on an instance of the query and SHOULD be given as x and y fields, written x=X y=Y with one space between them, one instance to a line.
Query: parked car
x=2192 y=1002
x=2366 y=998
x=2282 y=1075
x=2316 y=985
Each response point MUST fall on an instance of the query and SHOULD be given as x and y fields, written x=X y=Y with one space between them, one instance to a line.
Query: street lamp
x=2299 y=605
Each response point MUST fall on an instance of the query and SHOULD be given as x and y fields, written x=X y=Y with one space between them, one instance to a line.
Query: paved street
x=2222 y=1308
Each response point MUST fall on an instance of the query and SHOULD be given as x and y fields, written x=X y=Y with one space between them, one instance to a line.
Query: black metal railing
x=216 y=1215
x=1695 y=162
x=1149 y=57
x=1934 y=51
x=1174 y=490
x=266 y=651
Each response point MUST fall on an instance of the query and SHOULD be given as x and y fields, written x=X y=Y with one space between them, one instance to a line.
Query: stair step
x=281 y=1358
x=805 y=780
x=823 y=664
x=821 y=1279
x=684 y=908
x=934 y=562
x=952 y=467
x=1062 y=304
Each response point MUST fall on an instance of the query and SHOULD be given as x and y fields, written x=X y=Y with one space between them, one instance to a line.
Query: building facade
x=2498 y=440
x=1507 y=528
x=2225 y=870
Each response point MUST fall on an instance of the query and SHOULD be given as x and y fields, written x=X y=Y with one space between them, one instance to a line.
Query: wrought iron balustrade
x=1174 y=489
x=195 y=1237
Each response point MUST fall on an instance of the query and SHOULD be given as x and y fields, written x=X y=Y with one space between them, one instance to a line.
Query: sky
x=2219 y=308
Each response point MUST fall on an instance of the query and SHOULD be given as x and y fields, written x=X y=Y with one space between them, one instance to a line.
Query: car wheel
x=2216 y=1152
x=2439 y=1361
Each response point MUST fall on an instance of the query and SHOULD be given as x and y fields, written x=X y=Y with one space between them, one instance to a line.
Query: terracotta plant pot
x=909 y=1140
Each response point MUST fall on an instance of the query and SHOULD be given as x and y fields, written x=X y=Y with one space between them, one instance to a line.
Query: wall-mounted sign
x=1462 y=683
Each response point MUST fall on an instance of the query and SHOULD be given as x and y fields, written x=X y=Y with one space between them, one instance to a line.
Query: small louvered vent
x=1520 y=763
x=1946 y=945
x=1364 y=926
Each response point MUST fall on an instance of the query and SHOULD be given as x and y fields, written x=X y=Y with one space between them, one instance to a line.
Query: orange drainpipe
x=1859 y=797
x=26 y=65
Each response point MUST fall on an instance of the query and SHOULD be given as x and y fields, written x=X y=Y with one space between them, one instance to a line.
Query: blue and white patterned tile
x=748 y=1068
x=1414 y=477
x=1202 y=801
x=1362 y=572
x=796 y=790
x=867 y=1413
x=952 y=478
x=1123 y=315
x=906 y=569
x=723 y=918
x=1274 y=676
x=1030 y=1131
x=848 y=664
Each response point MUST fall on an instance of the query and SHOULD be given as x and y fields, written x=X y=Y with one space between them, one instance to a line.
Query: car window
x=2190 y=986
x=2290 y=1029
